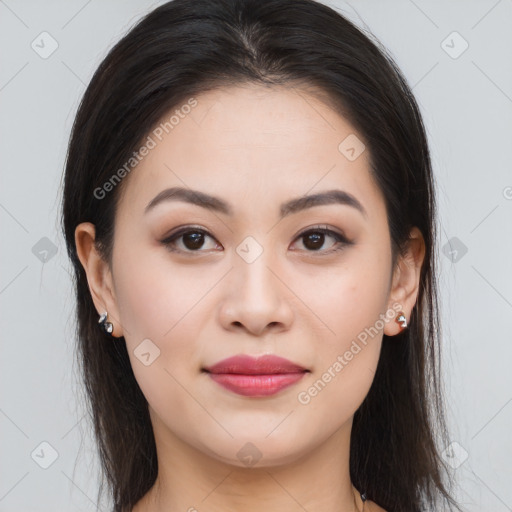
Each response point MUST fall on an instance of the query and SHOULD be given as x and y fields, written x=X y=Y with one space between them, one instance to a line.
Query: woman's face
x=256 y=273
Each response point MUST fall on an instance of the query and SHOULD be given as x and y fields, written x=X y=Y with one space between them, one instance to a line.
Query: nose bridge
x=255 y=281
x=256 y=297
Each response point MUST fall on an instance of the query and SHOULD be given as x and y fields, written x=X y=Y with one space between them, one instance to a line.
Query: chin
x=258 y=452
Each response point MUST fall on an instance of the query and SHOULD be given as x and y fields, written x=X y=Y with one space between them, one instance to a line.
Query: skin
x=255 y=148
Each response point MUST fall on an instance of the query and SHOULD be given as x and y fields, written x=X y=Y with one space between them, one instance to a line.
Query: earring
x=402 y=320
x=107 y=327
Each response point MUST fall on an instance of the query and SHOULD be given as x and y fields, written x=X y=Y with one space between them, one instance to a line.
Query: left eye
x=314 y=239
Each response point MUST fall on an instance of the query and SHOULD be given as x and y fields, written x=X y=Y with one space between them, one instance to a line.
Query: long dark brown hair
x=184 y=48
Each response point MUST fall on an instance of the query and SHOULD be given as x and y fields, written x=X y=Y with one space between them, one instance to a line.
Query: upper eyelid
x=317 y=228
x=186 y=229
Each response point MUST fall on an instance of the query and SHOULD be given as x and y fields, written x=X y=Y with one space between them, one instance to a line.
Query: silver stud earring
x=402 y=320
x=107 y=327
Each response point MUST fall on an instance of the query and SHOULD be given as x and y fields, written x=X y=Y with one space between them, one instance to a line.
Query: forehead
x=252 y=141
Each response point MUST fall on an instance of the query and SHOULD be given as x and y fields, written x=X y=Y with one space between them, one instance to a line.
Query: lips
x=255 y=377
x=247 y=365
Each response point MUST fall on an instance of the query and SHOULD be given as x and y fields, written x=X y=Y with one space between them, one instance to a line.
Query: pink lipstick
x=262 y=376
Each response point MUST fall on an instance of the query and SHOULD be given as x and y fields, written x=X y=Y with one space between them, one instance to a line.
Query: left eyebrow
x=288 y=208
x=322 y=198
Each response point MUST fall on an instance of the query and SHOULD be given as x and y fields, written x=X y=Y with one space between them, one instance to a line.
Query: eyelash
x=341 y=240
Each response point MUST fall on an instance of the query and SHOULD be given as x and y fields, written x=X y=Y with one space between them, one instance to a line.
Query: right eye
x=188 y=239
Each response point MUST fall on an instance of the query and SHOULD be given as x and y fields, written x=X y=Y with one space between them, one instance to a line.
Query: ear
x=406 y=279
x=99 y=275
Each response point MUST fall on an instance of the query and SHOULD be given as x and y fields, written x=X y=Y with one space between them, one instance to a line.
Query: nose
x=257 y=299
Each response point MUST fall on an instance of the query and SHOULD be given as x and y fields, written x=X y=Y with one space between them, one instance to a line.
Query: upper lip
x=247 y=365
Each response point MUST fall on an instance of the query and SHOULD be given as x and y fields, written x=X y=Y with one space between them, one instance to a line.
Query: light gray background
x=467 y=106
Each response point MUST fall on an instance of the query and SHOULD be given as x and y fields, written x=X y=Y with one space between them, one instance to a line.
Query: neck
x=190 y=480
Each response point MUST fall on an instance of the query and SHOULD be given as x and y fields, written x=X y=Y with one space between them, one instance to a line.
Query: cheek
x=158 y=303
x=349 y=302
x=161 y=305
x=154 y=297
x=349 y=298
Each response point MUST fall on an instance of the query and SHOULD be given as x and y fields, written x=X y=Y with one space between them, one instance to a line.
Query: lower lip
x=256 y=385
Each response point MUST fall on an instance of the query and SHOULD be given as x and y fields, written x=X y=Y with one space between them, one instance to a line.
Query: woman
x=249 y=208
